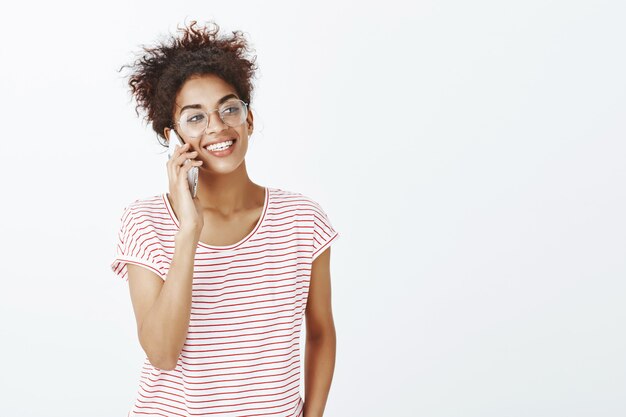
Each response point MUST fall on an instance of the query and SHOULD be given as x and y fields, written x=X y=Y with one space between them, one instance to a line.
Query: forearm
x=164 y=329
x=318 y=372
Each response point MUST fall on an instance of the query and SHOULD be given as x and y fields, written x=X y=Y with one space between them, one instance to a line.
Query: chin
x=223 y=168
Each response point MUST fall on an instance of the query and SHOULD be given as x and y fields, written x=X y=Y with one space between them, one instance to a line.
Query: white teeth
x=220 y=146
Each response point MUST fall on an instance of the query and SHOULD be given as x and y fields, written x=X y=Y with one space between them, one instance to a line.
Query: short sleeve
x=139 y=244
x=323 y=231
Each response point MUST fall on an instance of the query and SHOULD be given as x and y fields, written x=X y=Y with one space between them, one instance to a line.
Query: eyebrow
x=199 y=106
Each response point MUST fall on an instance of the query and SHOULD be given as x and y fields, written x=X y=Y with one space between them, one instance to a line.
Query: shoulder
x=300 y=200
x=147 y=208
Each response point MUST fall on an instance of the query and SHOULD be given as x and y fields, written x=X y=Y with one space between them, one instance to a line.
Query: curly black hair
x=160 y=74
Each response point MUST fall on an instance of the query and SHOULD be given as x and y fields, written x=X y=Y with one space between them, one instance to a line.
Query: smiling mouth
x=222 y=146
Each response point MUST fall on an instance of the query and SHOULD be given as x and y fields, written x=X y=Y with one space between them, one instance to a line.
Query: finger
x=184 y=170
x=173 y=164
x=187 y=155
x=169 y=165
x=181 y=149
x=171 y=169
x=179 y=160
x=187 y=165
x=178 y=149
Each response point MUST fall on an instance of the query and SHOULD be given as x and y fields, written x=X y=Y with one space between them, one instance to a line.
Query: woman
x=220 y=283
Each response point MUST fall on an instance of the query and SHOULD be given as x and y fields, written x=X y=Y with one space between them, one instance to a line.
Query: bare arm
x=163 y=308
x=321 y=340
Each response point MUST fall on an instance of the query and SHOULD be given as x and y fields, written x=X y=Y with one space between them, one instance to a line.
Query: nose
x=219 y=126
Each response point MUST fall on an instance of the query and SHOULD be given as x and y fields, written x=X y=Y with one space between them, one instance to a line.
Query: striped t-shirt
x=241 y=356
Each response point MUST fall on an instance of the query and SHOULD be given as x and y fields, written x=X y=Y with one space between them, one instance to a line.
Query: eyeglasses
x=193 y=122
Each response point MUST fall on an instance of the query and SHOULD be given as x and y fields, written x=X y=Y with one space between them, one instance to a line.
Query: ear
x=250 y=121
x=166 y=133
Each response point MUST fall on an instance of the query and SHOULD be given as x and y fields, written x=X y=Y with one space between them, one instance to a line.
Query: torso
x=220 y=231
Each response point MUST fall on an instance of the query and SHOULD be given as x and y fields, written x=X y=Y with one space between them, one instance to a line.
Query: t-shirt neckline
x=234 y=245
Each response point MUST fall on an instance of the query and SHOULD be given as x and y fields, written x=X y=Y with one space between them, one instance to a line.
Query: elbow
x=165 y=364
x=167 y=367
x=158 y=358
x=320 y=325
x=322 y=334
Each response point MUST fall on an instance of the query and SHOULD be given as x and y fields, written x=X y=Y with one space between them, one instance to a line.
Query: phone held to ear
x=192 y=174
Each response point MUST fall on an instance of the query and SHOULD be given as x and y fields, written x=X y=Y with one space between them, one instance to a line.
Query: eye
x=196 y=118
x=231 y=109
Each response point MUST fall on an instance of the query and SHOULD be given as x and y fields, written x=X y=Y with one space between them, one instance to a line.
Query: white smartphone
x=192 y=174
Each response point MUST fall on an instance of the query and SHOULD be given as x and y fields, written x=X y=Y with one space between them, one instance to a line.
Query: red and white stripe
x=242 y=353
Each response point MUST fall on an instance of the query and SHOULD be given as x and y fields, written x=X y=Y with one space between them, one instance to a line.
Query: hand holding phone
x=192 y=173
x=182 y=171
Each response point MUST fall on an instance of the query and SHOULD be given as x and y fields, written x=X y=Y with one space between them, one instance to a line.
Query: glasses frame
x=208 y=113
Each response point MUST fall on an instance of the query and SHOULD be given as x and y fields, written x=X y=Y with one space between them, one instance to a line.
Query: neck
x=227 y=194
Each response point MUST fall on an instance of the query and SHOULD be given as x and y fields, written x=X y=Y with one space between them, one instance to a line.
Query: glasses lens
x=233 y=112
x=193 y=122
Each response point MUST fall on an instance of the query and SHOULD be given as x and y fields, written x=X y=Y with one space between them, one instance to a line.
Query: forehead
x=205 y=90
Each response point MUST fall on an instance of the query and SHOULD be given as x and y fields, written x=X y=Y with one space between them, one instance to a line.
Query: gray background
x=470 y=154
